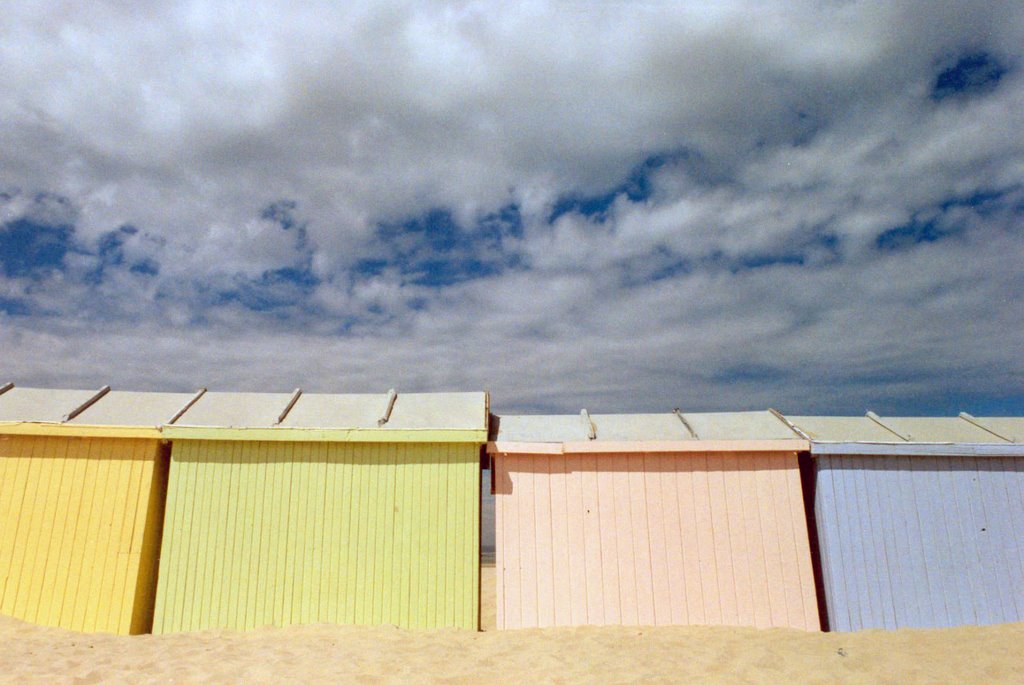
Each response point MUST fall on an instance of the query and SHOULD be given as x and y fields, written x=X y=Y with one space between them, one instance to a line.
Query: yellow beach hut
x=309 y=508
x=82 y=477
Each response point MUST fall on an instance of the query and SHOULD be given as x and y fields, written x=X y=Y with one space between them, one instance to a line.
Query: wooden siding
x=79 y=531
x=921 y=542
x=652 y=539
x=275 y=533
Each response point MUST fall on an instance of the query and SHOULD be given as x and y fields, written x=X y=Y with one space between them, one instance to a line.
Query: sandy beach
x=320 y=653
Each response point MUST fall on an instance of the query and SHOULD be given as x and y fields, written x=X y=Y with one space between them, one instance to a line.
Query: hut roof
x=39 y=405
x=103 y=412
x=390 y=416
x=668 y=432
x=1009 y=427
x=914 y=435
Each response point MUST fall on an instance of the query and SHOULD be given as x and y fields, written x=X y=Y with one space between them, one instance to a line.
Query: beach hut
x=82 y=478
x=650 y=519
x=308 y=508
x=920 y=520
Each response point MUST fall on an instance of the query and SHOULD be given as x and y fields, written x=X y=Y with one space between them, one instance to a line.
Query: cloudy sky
x=624 y=206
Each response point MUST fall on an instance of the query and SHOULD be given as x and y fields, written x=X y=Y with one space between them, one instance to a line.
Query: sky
x=623 y=206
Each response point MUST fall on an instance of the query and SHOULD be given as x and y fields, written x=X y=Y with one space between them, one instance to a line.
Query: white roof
x=1010 y=427
x=411 y=411
x=236 y=410
x=124 y=408
x=41 y=404
x=843 y=429
x=740 y=425
x=756 y=425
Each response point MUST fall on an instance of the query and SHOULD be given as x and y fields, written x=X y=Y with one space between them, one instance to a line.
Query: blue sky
x=814 y=206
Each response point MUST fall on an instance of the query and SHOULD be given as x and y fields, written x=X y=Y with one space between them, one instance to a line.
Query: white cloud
x=790 y=130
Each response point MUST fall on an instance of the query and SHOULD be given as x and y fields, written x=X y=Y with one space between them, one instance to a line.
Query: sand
x=991 y=654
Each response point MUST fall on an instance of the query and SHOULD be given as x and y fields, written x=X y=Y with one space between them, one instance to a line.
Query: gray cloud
x=826 y=224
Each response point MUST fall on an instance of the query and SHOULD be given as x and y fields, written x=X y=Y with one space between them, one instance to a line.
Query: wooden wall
x=652 y=539
x=280 y=533
x=79 y=531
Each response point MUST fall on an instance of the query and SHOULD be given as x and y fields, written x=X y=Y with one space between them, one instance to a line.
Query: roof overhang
x=916 y=449
x=72 y=430
x=325 y=434
x=646 y=447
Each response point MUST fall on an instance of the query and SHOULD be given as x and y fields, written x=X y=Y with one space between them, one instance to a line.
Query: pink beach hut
x=650 y=519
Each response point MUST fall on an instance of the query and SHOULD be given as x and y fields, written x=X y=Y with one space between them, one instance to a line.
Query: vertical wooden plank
x=1003 y=532
x=124 y=559
x=593 y=552
x=722 y=531
x=373 y=524
x=10 y=563
x=127 y=459
x=560 y=542
x=413 y=481
x=640 y=535
x=736 y=543
x=425 y=500
x=334 y=459
x=42 y=473
x=526 y=528
x=263 y=522
x=967 y=494
x=681 y=563
x=499 y=474
x=854 y=587
x=28 y=535
x=964 y=552
x=81 y=564
x=661 y=592
x=763 y=595
x=960 y=579
x=410 y=481
x=573 y=548
x=230 y=551
x=1012 y=477
x=251 y=522
x=390 y=599
x=610 y=581
x=893 y=477
x=870 y=482
x=771 y=532
x=625 y=558
x=542 y=532
x=458 y=489
x=60 y=499
x=882 y=485
x=705 y=521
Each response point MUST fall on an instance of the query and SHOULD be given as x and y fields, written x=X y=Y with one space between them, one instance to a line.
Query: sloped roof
x=235 y=410
x=910 y=435
x=40 y=405
x=750 y=425
x=103 y=412
x=460 y=416
x=573 y=428
x=739 y=425
x=625 y=433
x=126 y=408
x=391 y=416
x=1009 y=427
x=938 y=429
x=843 y=429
